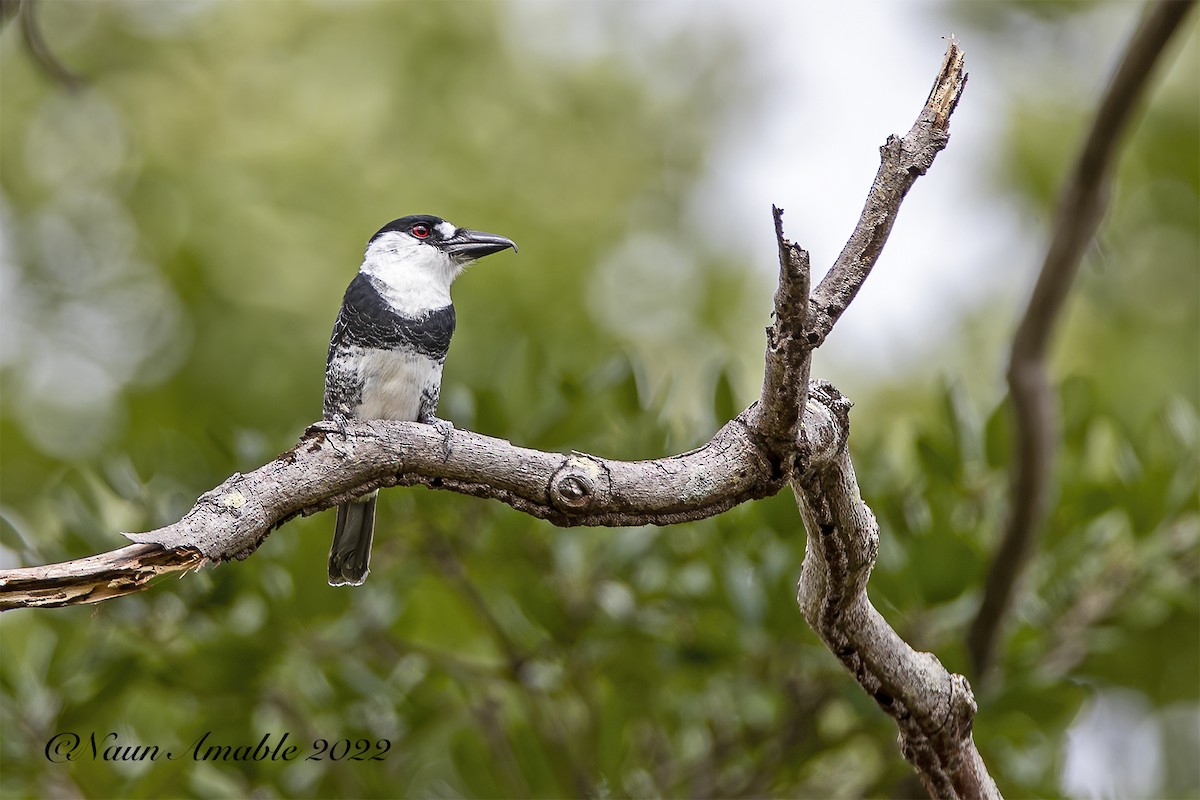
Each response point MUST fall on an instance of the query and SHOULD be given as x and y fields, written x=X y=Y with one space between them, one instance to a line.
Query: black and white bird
x=388 y=347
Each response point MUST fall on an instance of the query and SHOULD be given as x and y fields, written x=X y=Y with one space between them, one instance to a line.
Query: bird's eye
x=420 y=231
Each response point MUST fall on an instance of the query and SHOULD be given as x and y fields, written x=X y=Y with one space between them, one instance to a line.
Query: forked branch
x=750 y=457
x=794 y=432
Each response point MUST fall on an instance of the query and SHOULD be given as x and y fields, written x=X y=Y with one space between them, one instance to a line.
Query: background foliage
x=176 y=239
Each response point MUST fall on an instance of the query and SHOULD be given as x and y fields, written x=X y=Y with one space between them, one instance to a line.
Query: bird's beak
x=468 y=245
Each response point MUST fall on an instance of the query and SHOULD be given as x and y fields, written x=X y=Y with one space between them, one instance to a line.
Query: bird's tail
x=351 y=550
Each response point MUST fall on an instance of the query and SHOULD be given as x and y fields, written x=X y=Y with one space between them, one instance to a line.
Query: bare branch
x=1080 y=211
x=92 y=579
x=741 y=462
x=801 y=324
x=902 y=162
x=232 y=520
x=794 y=430
x=776 y=416
x=932 y=708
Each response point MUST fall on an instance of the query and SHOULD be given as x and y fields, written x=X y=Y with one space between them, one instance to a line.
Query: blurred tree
x=175 y=241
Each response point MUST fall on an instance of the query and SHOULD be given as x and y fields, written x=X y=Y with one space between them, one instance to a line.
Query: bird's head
x=422 y=247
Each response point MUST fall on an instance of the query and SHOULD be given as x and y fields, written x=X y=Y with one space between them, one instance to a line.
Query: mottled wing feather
x=343 y=389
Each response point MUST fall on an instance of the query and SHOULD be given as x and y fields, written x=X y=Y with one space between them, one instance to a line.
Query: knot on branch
x=578 y=484
x=226 y=498
x=838 y=404
x=826 y=430
x=961 y=713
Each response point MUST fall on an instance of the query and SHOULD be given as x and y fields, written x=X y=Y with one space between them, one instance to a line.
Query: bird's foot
x=336 y=424
x=446 y=429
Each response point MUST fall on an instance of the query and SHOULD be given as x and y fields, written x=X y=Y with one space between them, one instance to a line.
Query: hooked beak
x=468 y=245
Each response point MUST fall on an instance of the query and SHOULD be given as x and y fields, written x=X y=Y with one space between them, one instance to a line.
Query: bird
x=388 y=346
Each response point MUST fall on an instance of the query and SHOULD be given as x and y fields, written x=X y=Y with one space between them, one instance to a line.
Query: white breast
x=393 y=382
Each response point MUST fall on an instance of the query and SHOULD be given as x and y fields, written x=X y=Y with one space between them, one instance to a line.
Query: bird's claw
x=335 y=424
x=322 y=426
x=446 y=429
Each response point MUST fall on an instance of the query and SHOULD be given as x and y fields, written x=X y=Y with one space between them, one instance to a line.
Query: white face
x=416 y=276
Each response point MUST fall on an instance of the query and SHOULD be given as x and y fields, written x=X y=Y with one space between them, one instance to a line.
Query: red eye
x=420 y=231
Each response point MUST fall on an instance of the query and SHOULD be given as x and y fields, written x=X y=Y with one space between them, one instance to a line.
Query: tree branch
x=323 y=470
x=1080 y=211
x=795 y=431
x=93 y=579
x=932 y=708
x=741 y=461
x=776 y=417
x=902 y=161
